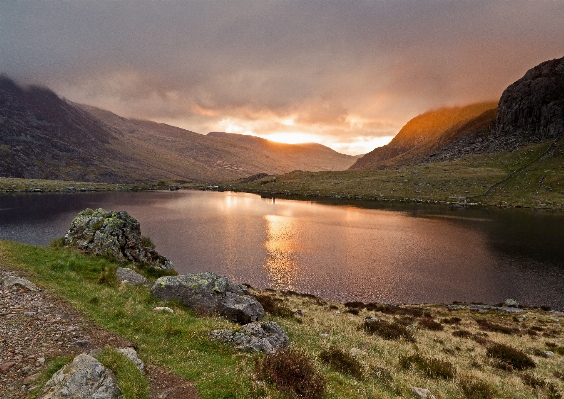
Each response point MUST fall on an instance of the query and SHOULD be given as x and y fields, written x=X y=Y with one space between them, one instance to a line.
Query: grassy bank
x=454 y=352
x=523 y=178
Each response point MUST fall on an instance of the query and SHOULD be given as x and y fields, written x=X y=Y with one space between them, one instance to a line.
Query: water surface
x=401 y=254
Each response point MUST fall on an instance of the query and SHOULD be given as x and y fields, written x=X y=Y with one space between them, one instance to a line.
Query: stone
x=114 y=234
x=85 y=377
x=6 y=366
x=12 y=281
x=511 y=303
x=163 y=309
x=130 y=276
x=131 y=355
x=549 y=354
x=267 y=337
x=209 y=293
x=422 y=393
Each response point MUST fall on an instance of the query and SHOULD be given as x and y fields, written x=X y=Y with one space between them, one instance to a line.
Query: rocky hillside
x=44 y=136
x=424 y=136
x=530 y=110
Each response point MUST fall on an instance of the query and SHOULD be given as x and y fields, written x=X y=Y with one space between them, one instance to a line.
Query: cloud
x=320 y=63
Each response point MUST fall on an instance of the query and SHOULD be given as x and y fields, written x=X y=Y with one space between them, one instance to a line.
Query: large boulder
x=267 y=337
x=84 y=378
x=209 y=293
x=115 y=234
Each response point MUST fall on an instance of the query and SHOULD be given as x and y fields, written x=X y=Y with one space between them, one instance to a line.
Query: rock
x=6 y=366
x=549 y=354
x=126 y=275
x=267 y=337
x=85 y=377
x=209 y=293
x=115 y=234
x=12 y=281
x=511 y=303
x=532 y=108
x=422 y=393
x=131 y=354
x=164 y=309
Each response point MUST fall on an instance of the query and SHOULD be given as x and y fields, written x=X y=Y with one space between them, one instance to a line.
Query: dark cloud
x=358 y=70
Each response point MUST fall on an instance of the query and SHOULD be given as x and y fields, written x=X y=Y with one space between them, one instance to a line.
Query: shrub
x=273 y=306
x=532 y=381
x=387 y=330
x=510 y=356
x=342 y=362
x=431 y=367
x=451 y=320
x=461 y=334
x=293 y=373
x=476 y=389
x=489 y=326
x=430 y=324
x=146 y=242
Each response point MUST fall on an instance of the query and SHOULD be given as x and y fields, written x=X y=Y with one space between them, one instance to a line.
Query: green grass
x=450 y=366
x=540 y=184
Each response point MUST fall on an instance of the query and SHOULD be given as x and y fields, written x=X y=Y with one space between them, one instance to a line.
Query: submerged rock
x=114 y=234
x=267 y=337
x=209 y=293
x=84 y=378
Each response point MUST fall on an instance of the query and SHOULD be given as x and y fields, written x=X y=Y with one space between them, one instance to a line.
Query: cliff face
x=532 y=108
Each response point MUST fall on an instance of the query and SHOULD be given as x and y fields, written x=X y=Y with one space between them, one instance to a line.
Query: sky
x=347 y=74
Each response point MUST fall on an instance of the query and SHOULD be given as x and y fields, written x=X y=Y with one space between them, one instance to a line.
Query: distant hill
x=311 y=156
x=425 y=135
x=44 y=136
x=530 y=110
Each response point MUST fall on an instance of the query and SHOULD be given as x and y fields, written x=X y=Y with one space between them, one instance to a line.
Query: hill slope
x=44 y=136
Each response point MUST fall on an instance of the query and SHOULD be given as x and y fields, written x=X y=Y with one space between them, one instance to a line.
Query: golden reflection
x=280 y=263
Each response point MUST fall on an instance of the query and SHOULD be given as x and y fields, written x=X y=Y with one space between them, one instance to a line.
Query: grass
x=451 y=366
x=131 y=381
x=539 y=185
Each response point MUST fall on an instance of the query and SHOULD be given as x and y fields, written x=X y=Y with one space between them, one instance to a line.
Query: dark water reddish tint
x=401 y=254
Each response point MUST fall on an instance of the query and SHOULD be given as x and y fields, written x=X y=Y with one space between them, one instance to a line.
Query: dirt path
x=36 y=327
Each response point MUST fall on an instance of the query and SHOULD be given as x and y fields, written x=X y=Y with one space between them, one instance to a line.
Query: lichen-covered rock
x=267 y=337
x=126 y=275
x=209 y=293
x=84 y=378
x=131 y=354
x=115 y=234
x=14 y=281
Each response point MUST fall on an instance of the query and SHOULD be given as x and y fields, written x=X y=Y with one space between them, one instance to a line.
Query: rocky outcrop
x=84 y=378
x=114 y=234
x=129 y=276
x=209 y=293
x=532 y=108
x=267 y=337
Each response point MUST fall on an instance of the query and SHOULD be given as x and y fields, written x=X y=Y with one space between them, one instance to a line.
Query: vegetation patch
x=462 y=334
x=274 y=306
x=342 y=362
x=293 y=373
x=487 y=325
x=130 y=380
x=474 y=388
x=387 y=330
x=508 y=355
x=431 y=367
x=430 y=324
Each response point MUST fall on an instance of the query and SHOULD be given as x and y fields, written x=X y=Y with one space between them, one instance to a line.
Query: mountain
x=44 y=136
x=529 y=111
x=426 y=134
x=311 y=156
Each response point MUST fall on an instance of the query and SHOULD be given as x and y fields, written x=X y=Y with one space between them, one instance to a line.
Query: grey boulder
x=209 y=293
x=114 y=234
x=267 y=337
x=126 y=275
x=85 y=377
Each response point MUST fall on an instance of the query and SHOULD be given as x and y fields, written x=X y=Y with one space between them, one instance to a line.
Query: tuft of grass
x=342 y=362
x=108 y=277
x=387 y=330
x=132 y=383
x=293 y=373
x=146 y=242
x=508 y=355
x=431 y=367
x=462 y=334
x=430 y=324
x=475 y=388
x=57 y=242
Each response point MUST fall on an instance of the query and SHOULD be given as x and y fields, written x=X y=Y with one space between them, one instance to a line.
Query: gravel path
x=36 y=327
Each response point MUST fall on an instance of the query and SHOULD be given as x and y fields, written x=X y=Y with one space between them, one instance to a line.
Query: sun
x=292 y=137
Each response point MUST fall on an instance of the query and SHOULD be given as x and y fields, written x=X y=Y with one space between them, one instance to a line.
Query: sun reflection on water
x=280 y=263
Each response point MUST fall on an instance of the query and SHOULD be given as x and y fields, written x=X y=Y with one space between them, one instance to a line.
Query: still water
x=346 y=252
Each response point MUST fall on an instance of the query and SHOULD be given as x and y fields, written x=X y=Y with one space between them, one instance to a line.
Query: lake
x=347 y=252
